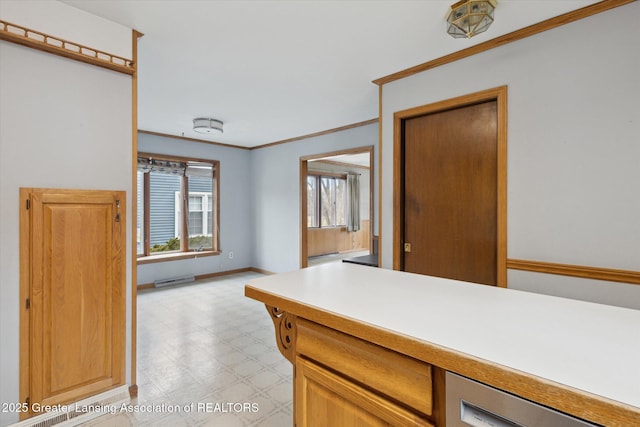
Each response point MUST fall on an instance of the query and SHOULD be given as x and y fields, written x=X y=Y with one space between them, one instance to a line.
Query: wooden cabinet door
x=76 y=247
x=326 y=399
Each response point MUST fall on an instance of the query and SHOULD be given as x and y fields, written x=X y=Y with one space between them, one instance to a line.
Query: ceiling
x=273 y=70
x=360 y=159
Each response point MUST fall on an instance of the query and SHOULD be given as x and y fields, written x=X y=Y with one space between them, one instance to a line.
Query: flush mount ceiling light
x=207 y=125
x=467 y=18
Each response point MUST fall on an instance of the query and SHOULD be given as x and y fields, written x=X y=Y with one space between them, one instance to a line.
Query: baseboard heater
x=174 y=281
x=80 y=412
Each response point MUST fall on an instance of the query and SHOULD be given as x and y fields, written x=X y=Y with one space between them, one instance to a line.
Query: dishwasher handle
x=478 y=417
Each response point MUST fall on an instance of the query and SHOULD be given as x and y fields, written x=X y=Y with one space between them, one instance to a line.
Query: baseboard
x=79 y=412
x=222 y=273
x=212 y=275
x=133 y=391
x=261 y=271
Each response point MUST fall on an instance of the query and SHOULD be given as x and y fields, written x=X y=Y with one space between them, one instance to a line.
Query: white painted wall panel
x=61 y=20
x=236 y=227
x=573 y=151
x=598 y=291
x=63 y=124
x=276 y=193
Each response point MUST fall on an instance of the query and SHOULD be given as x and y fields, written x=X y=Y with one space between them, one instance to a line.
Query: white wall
x=276 y=193
x=573 y=150
x=63 y=124
x=236 y=219
x=259 y=200
x=66 y=22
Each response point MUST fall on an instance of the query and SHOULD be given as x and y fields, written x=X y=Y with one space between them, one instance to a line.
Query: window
x=199 y=220
x=177 y=205
x=326 y=201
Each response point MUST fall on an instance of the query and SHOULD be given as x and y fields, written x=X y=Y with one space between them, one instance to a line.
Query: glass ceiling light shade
x=207 y=125
x=467 y=18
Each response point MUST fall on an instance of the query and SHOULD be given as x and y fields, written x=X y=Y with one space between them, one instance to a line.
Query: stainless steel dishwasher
x=470 y=403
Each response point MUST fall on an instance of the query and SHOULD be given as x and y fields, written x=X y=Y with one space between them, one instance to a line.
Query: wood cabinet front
x=73 y=277
x=327 y=399
x=370 y=343
x=341 y=380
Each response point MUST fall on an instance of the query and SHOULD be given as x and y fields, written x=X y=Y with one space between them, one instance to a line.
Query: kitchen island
x=372 y=346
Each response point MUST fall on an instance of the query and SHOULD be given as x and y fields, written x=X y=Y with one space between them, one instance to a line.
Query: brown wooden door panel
x=77 y=335
x=78 y=238
x=450 y=193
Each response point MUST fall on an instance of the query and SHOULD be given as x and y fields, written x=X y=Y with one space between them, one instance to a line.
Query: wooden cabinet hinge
x=118 y=210
x=28 y=204
x=28 y=304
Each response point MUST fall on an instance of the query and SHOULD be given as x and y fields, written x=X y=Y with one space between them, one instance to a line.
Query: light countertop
x=585 y=346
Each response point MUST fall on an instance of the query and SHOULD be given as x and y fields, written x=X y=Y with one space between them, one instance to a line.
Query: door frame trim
x=498 y=94
x=25 y=292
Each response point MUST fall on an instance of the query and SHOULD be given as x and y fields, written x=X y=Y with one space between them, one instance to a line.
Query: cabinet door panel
x=324 y=398
x=405 y=379
x=77 y=293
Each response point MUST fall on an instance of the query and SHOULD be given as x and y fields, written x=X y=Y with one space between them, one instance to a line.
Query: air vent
x=174 y=281
x=69 y=416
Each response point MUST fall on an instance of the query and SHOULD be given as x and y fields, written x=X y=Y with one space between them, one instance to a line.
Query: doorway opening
x=336 y=195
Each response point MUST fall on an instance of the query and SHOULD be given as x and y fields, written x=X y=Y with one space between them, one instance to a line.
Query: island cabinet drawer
x=396 y=376
x=324 y=398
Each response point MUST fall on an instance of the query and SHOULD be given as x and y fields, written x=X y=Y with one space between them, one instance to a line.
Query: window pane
x=164 y=226
x=200 y=221
x=327 y=197
x=140 y=215
x=341 y=202
x=210 y=220
x=195 y=224
x=195 y=203
x=312 y=201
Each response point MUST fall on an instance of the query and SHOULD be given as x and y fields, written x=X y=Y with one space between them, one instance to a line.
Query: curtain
x=204 y=170
x=353 y=193
x=161 y=166
x=175 y=168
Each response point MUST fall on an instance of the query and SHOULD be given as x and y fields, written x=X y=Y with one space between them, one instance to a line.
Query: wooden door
x=451 y=193
x=76 y=293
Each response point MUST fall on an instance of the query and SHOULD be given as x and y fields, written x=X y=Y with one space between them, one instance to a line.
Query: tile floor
x=206 y=344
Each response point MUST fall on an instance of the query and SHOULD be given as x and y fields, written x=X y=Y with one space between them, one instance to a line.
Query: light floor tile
x=203 y=346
